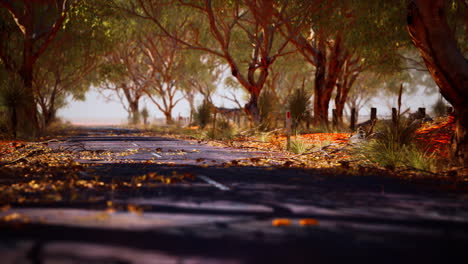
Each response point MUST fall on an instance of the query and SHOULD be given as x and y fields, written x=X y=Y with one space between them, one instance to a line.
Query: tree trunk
x=14 y=122
x=251 y=108
x=328 y=69
x=27 y=67
x=343 y=87
x=431 y=34
x=135 y=112
x=30 y=107
x=168 y=116
x=320 y=116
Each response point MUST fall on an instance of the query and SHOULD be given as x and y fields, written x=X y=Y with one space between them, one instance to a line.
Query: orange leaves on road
x=281 y=222
x=135 y=209
x=308 y=222
x=15 y=217
x=287 y=222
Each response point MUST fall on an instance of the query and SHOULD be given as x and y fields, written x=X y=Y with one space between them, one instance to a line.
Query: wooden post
x=352 y=122
x=334 y=118
x=373 y=113
x=214 y=123
x=288 y=130
x=421 y=112
x=394 y=116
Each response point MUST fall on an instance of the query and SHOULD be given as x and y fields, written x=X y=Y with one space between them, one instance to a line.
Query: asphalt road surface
x=225 y=214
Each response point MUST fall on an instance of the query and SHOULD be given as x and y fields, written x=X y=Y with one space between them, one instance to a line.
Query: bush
x=299 y=105
x=202 y=116
x=298 y=146
x=268 y=110
x=440 y=107
x=393 y=146
x=223 y=131
x=13 y=99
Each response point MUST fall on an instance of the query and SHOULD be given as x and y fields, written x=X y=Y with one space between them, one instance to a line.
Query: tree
x=38 y=23
x=333 y=41
x=202 y=74
x=165 y=60
x=429 y=29
x=228 y=24
x=69 y=64
x=125 y=73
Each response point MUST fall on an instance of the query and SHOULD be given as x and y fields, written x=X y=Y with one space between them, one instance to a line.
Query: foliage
x=145 y=114
x=13 y=99
x=440 y=107
x=224 y=130
x=393 y=146
x=268 y=109
x=202 y=115
x=298 y=146
x=299 y=106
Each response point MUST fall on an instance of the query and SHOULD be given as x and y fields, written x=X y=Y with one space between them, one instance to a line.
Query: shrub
x=393 y=146
x=202 y=116
x=145 y=115
x=268 y=110
x=440 y=107
x=299 y=105
x=298 y=146
x=223 y=130
x=13 y=99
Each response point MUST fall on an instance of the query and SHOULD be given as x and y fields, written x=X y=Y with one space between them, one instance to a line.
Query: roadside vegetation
x=318 y=68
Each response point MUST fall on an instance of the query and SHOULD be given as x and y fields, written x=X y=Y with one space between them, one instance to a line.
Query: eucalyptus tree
x=38 y=23
x=438 y=29
x=68 y=67
x=332 y=39
x=244 y=33
x=124 y=73
x=202 y=74
x=165 y=61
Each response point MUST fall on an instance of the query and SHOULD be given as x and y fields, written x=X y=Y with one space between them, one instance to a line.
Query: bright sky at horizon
x=97 y=110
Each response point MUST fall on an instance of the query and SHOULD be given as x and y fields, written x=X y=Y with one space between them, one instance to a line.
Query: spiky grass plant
x=394 y=145
x=298 y=146
x=299 y=105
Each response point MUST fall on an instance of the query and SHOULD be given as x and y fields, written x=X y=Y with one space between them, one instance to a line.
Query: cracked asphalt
x=225 y=214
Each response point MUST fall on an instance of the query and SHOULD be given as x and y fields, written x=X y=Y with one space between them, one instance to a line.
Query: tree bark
x=432 y=36
x=251 y=107
x=134 y=111
x=328 y=68
x=342 y=90
x=168 y=116
x=27 y=67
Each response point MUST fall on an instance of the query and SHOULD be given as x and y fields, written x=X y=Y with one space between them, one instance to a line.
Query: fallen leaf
x=5 y=208
x=281 y=222
x=308 y=222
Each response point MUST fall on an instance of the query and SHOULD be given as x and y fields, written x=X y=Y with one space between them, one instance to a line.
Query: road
x=224 y=214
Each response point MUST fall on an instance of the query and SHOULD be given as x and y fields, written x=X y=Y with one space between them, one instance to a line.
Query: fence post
x=352 y=124
x=334 y=118
x=288 y=130
x=214 y=124
x=421 y=112
x=394 y=116
x=373 y=113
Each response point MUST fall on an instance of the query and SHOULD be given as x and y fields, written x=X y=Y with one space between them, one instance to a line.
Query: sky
x=97 y=110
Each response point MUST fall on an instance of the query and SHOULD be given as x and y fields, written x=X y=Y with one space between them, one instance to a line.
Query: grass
x=394 y=146
x=298 y=146
x=392 y=155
